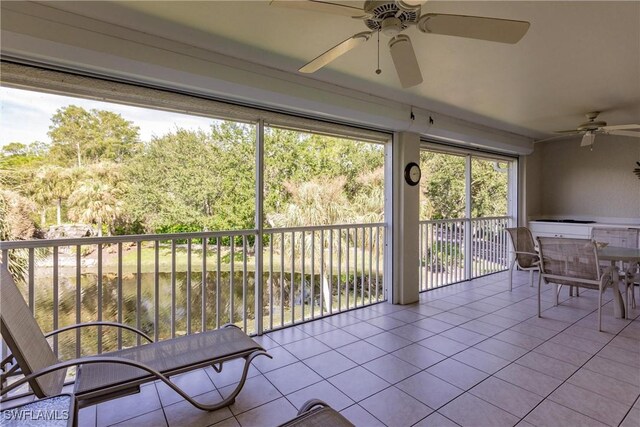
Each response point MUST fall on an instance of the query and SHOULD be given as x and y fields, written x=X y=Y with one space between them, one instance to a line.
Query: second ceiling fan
x=392 y=17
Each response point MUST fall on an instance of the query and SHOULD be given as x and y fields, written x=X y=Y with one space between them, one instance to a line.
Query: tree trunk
x=59 y=210
x=43 y=218
x=326 y=292
x=78 y=147
x=99 y=229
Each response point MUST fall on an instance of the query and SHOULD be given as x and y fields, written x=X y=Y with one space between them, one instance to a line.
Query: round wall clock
x=412 y=173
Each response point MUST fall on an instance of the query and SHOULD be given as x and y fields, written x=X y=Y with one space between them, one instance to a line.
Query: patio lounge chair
x=111 y=375
x=573 y=262
x=316 y=413
x=526 y=256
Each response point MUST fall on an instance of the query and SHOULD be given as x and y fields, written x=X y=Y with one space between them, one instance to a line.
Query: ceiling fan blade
x=474 y=27
x=566 y=131
x=623 y=133
x=336 y=51
x=620 y=127
x=410 y=4
x=405 y=61
x=321 y=6
x=552 y=138
x=588 y=139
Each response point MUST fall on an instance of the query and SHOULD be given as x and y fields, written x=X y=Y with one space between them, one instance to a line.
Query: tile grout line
x=514 y=361
x=564 y=381
x=411 y=342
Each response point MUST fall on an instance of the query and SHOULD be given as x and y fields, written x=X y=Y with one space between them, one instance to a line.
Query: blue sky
x=25 y=116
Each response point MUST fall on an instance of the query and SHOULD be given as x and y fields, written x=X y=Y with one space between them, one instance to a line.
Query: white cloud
x=25 y=116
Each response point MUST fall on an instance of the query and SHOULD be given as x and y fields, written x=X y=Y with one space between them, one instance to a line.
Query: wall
x=583 y=183
x=531 y=186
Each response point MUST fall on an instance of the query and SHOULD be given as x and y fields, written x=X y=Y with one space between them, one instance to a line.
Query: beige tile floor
x=471 y=354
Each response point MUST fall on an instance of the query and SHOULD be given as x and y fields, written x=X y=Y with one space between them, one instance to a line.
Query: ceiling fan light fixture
x=391 y=27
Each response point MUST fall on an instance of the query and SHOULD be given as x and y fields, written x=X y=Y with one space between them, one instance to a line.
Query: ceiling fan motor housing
x=389 y=17
x=592 y=125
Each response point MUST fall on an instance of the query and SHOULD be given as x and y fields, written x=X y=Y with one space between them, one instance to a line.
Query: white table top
x=614 y=253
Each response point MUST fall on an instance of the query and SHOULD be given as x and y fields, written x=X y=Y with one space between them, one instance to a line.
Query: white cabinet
x=573 y=230
x=560 y=229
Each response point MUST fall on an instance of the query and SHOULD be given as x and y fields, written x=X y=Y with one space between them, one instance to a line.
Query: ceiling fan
x=392 y=17
x=591 y=128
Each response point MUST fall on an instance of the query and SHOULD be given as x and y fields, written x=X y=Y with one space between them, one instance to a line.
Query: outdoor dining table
x=615 y=254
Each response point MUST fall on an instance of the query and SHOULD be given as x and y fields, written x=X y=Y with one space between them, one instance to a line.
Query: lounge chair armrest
x=527 y=253
x=112 y=324
x=310 y=404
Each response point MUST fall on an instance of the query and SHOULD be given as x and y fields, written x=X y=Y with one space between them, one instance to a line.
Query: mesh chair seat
x=167 y=357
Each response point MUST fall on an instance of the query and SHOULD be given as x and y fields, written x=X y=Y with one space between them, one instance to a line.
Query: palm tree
x=39 y=191
x=95 y=202
x=314 y=202
x=61 y=186
x=16 y=224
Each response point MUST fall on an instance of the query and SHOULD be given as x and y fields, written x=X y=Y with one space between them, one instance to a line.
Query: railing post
x=259 y=226
x=468 y=238
x=56 y=305
x=4 y=350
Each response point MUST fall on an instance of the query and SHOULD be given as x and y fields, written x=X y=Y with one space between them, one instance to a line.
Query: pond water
x=225 y=301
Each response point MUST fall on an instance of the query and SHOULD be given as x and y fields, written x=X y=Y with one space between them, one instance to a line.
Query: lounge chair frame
x=33 y=370
x=315 y=413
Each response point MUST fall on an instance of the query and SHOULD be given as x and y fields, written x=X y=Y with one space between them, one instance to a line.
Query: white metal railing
x=177 y=284
x=330 y=269
x=454 y=250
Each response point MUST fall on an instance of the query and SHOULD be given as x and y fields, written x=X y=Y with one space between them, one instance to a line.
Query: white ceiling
x=577 y=56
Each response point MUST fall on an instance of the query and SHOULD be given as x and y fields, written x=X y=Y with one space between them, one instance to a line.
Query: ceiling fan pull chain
x=378 y=70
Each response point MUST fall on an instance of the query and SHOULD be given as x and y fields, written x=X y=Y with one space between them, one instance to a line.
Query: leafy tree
x=14 y=149
x=175 y=181
x=16 y=155
x=293 y=156
x=443 y=187
x=79 y=136
x=489 y=188
x=235 y=167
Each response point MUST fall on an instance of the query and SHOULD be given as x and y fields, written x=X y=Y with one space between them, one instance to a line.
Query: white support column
x=521 y=210
x=259 y=224
x=405 y=216
x=468 y=227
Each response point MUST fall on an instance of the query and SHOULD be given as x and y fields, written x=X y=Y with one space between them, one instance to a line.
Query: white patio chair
x=573 y=262
x=623 y=238
x=526 y=257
